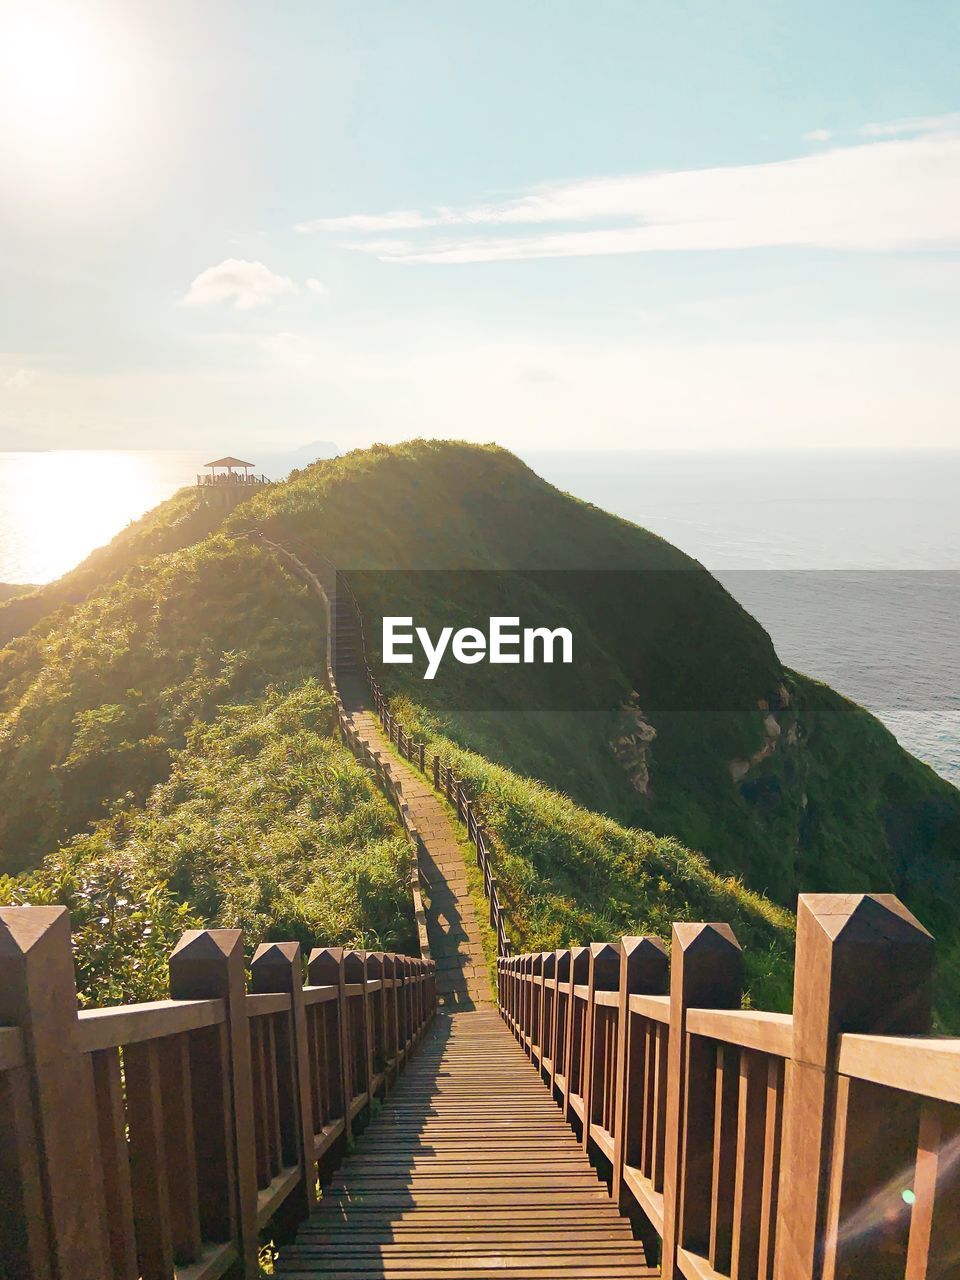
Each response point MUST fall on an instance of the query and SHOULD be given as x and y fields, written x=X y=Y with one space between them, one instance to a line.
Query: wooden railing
x=822 y=1144
x=160 y=1139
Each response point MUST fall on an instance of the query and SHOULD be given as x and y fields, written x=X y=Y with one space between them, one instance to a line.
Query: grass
x=92 y=708
x=266 y=823
x=570 y=877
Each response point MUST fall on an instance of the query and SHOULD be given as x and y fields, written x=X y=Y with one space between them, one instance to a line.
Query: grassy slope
x=266 y=823
x=569 y=876
x=167 y=760
x=90 y=708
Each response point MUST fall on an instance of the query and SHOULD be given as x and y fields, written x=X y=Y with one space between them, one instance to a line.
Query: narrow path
x=453 y=933
x=463 y=979
x=469 y=1171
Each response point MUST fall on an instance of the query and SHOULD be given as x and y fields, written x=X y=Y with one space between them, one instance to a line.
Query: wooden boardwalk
x=468 y=1171
x=463 y=980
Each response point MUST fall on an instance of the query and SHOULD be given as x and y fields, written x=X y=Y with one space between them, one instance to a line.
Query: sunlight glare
x=61 y=505
x=54 y=69
x=72 y=96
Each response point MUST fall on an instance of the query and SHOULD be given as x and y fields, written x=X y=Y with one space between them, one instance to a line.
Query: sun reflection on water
x=56 y=507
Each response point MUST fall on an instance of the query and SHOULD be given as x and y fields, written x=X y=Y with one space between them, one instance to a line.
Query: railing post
x=526 y=1001
x=864 y=964
x=432 y=986
x=355 y=966
x=38 y=994
x=548 y=1014
x=576 y=1027
x=561 y=983
x=423 y=1013
x=603 y=975
x=325 y=969
x=207 y=964
x=536 y=1008
x=644 y=970
x=278 y=966
x=391 y=1015
x=706 y=972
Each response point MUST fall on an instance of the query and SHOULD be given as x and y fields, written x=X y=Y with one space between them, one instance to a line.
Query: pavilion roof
x=228 y=462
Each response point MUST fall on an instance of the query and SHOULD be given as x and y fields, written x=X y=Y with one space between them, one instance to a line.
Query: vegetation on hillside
x=776 y=779
x=568 y=876
x=738 y=768
x=137 y=666
x=91 y=709
x=266 y=823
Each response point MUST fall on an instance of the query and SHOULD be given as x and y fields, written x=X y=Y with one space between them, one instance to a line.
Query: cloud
x=317 y=287
x=399 y=220
x=245 y=284
x=818 y=135
x=949 y=123
x=17 y=379
x=893 y=194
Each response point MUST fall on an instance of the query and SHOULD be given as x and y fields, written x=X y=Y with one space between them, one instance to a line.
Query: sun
x=54 y=70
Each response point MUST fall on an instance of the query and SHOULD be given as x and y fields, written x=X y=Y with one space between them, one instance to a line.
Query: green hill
x=706 y=736
x=687 y=733
x=168 y=759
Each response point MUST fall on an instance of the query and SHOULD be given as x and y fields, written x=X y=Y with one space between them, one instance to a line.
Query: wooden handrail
x=158 y=1139
x=129 y=1024
x=747 y=1143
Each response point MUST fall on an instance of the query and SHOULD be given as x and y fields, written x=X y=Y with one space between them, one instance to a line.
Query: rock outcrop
x=631 y=744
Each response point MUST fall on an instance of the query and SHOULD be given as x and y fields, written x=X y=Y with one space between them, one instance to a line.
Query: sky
x=605 y=224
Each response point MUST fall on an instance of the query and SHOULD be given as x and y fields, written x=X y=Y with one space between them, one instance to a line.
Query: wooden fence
x=822 y=1144
x=159 y=1139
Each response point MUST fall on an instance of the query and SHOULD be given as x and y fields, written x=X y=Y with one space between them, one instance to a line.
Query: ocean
x=851 y=561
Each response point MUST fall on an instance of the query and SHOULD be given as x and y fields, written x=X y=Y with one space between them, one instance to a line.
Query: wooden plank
x=209 y=964
x=706 y=971
x=468 y=1172
x=772 y=1133
x=115 y=1163
x=748 y=1028
x=148 y=1161
x=864 y=965
x=128 y=1024
x=725 y=1156
x=180 y=1147
x=932 y=1249
x=919 y=1064
x=748 y=1194
x=24 y=1244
